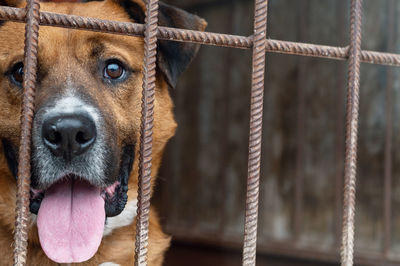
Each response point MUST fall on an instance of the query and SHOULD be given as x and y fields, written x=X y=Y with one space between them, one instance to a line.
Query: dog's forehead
x=54 y=42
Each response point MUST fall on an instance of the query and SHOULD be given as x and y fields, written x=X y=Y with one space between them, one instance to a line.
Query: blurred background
x=201 y=192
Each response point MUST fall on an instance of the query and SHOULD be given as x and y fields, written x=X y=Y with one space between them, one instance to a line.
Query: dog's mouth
x=114 y=196
x=71 y=212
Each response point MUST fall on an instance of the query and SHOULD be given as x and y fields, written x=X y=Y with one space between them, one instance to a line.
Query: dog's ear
x=173 y=57
x=12 y=3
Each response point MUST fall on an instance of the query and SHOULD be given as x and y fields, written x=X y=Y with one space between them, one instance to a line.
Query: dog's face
x=87 y=119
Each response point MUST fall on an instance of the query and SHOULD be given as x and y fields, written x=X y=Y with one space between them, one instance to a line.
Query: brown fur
x=67 y=55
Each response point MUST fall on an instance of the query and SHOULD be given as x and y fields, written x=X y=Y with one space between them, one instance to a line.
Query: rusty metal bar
x=146 y=132
x=28 y=104
x=24 y=167
x=347 y=249
x=388 y=158
x=255 y=136
x=127 y=28
x=206 y=38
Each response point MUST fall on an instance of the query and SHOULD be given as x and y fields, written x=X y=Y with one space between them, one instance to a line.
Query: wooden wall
x=201 y=190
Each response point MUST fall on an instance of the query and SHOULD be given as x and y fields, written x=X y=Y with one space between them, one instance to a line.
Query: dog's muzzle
x=79 y=177
x=73 y=142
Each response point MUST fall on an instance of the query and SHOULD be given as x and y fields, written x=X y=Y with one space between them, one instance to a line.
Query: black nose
x=68 y=136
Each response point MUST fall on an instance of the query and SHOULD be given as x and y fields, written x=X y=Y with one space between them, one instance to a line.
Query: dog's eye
x=17 y=74
x=113 y=70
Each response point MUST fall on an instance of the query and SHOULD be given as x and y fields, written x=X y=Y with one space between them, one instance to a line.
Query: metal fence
x=151 y=32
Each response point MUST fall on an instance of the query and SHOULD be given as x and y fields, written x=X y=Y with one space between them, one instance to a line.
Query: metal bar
x=350 y=168
x=205 y=38
x=24 y=168
x=255 y=136
x=128 y=28
x=28 y=105
x=146 y=132
x=388 y=159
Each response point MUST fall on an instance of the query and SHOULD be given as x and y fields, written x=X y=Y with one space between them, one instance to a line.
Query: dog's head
x=87 y=118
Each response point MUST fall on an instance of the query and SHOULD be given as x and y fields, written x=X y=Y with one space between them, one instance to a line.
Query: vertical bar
x=388 y=139
x=339 y=140
x=350 y=167
x=146 y=132
x=24 y=168
x=301 y=83
x=255 y=137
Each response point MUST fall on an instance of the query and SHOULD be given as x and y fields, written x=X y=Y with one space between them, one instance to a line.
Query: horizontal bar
x=206 y=38
x=127 y=28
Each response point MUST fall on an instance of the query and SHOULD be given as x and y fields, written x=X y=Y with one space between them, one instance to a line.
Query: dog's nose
x=68 y=136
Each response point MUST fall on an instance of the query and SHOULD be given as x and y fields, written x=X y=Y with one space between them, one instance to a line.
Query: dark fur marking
x=98 y=49
x=11 y=3
x=116 y=205
x=134 y=11
x=11 y=156
x=174 y=57
x=42 y=72
x=2 y=3
x=35 y=202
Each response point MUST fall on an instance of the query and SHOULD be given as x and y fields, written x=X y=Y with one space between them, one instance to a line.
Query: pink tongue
x=71 y=221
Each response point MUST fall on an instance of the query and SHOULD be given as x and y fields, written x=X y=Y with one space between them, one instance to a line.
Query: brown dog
x=86 y=134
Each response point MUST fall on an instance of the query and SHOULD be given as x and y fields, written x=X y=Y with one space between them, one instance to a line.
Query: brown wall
x=201 y=191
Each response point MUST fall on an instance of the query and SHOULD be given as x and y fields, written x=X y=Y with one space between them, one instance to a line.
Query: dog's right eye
x=17 y=74
x=114 y=70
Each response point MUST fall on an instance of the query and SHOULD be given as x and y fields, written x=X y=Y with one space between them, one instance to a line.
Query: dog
x=86 y=133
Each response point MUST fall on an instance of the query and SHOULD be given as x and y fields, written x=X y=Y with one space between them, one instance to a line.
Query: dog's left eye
x=113 y=70
x=17 y=74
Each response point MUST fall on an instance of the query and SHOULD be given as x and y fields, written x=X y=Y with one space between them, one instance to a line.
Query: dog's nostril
x=81 y=138
x=54 y=136
x=57 y=137
x=68 y=135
